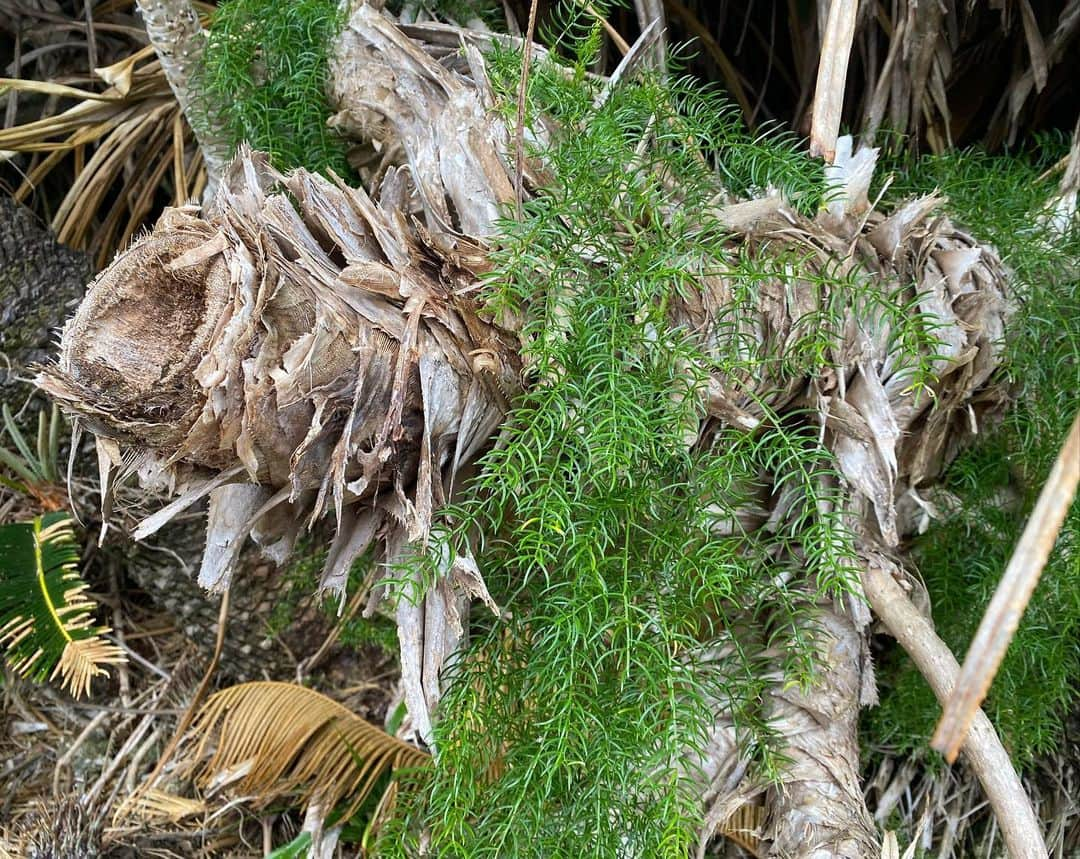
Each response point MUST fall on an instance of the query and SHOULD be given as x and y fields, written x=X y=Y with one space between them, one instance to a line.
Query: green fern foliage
x=46 y=629
x=569 y=727
x=263 y=79
x=993 y=486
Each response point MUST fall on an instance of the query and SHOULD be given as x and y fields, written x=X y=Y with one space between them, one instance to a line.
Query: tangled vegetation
x=594 y=521
x=572 y=720
x=993 y=486
x=263 y=81
x=598 y=519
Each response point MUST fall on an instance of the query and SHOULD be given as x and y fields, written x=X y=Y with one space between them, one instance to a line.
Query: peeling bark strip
x=325 y=345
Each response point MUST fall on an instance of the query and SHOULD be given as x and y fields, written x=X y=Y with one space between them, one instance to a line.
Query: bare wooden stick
x=832 y=75
x=982 y=748
x=1013 y=592
x=519 y=127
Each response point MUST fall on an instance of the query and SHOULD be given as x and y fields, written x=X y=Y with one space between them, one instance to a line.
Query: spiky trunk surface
x=301 y=348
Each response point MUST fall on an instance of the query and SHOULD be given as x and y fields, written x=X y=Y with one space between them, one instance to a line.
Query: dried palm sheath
x=302 y=349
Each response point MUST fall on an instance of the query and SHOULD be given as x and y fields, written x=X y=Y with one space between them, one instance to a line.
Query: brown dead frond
x=744 y=828
x=155 y=804
x=286 y=739
x=125 y=143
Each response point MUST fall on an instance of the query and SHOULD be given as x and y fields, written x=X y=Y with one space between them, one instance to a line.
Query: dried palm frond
x=154 y=804
x=277 y=740
x=45 y=623
x=744 y=828
x=123 y=142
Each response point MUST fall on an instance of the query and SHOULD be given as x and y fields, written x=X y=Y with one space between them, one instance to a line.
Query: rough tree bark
x=41 y=282
x=302 y=348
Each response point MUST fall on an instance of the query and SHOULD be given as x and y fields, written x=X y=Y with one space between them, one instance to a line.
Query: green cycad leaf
x=34 y=470
x=45 y=624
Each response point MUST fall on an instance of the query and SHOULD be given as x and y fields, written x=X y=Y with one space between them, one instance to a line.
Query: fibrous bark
x=41 y=282
x=312 y=370
x=301 y=348
x=819 y=811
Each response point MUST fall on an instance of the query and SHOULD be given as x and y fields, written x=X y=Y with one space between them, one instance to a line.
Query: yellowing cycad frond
x=46 y=628
x=83 y=660
x=290 y=739
x=155 y=804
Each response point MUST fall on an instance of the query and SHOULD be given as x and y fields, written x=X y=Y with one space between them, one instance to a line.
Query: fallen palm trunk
x=302 y=349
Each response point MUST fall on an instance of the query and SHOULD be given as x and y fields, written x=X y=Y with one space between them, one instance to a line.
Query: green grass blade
x=20 y=442
x=17 y=465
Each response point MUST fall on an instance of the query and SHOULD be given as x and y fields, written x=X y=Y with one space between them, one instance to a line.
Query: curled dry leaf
x=275 y=740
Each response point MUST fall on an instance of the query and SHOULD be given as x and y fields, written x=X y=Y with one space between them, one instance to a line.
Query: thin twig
x=1013 y=592
x=519 y=129
x=1057 y=167
x=91 y=36
x=306 y=666
x=69 y=755
x=118 y=632
x=732 y=78
x=982 y=747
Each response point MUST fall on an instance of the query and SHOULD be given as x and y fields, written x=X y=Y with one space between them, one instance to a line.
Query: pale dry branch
x=832 y=76
x=1002 y=617
x=982 y=748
